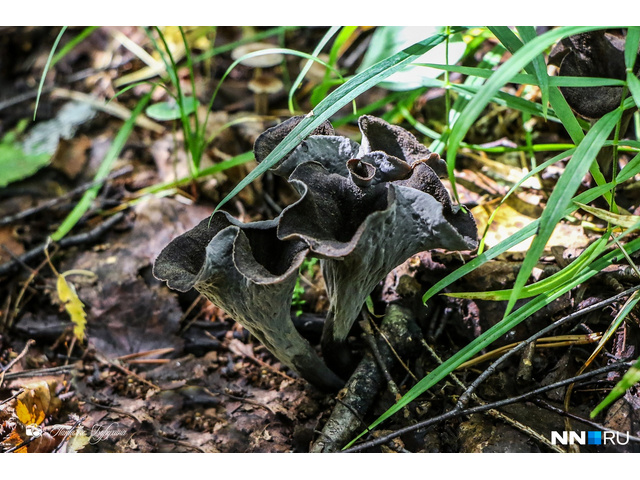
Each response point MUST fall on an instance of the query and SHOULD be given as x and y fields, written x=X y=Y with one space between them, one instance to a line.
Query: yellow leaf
x=73 y=305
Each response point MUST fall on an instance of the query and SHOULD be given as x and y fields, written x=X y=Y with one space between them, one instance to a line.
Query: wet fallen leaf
x=38 y=400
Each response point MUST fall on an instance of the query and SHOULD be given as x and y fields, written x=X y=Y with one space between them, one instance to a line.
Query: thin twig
x=81 y=238
x=495 y=413
x=67 y=196
x=586 y=421
x=9 y=365
x=68 y=434
x=7 y=400
x=464 y=398
x=41 y=372
x=483 y=408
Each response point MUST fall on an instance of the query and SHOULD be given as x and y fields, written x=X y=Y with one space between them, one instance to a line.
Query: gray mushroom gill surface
x=364 y=209
x=247 y=271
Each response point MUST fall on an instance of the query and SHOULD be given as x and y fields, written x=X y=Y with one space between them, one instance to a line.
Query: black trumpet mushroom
x=599 y=53
x=247 y=271
x=365 y=209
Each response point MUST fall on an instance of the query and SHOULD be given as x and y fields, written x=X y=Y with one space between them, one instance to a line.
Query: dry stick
x=16 y=360
x=393 y=350
x=373 y=346
x=81 y=238
x=483 y=408
x=41 y=372
x=578 y=418
x=464 y=398
x=15 y=395
x=495 y=413
x=55 y=201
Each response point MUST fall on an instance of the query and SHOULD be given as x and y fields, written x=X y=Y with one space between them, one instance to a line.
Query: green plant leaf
x=46 y=69
x=528 y=33
x=554 y=281
x=170 y=110
x=16 y=165
x=334 y=101
x=327 y=36
x=630 y=170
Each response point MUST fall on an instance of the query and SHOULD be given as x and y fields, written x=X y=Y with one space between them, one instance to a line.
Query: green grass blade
x=528 y=34
x=511 y=67
x=70 y=45
x=105 y=167
x=327 y=36
x=562 y=195
x=510 y=242
x=46 y=69
x=556 y=280
x=630 y=170
x=634 y=87
x=205 y=172
x=336 y=100
x=498 y=330
x=627 y=381
x=528 y=79
x=631 y=47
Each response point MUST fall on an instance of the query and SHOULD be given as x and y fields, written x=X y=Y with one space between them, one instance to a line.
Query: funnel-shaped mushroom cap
x=366 y=209
x=247 y=271
x=592 y=54
x=362 y=229
x=271 y=138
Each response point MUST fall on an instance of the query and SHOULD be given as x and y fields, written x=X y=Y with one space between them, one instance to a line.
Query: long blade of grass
x=631 y=47
x=489 y=61
x=528 y=79
x=327 y=36
x=495 y=332
x=46 y=69
x=562 y=196
x=336 y=100
x=517 y=62
x=549 y=283
x=630 y=170
x=527 y=34
x=510 y=242
x=71 y=44
x=105 y=167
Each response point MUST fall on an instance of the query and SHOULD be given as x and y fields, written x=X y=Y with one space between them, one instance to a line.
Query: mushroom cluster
x=363 y=210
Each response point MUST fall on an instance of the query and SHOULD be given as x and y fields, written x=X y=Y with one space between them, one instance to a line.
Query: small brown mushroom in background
x=262 y=84
x=262 y=87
